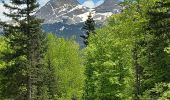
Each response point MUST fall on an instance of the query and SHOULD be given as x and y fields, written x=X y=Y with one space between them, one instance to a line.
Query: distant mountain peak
x=57 y=10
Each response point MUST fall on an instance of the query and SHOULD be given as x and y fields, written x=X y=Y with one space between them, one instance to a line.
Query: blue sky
x=43 y=2
x=81 y=1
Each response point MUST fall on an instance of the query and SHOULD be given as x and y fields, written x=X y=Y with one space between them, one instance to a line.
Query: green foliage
x=64 y=56
x=114 y=45
x=12 y=74
x=161 y=91
x=23 y=75
x=157 y=60
x=3 y=47
x=108 y=66
x=126 y=59
x=147 y=26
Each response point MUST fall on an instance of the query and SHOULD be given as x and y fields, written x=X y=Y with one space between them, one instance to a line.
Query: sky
x=43 y=2
x=87 y=3
x=91 y=3
x=82 y=1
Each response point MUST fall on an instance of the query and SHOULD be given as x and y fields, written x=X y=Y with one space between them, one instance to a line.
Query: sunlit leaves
x=161 y=91
x=65 y=59
x=3 y=48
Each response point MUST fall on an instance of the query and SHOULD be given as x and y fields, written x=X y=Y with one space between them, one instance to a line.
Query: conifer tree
x=89 y=26
x=24 y=74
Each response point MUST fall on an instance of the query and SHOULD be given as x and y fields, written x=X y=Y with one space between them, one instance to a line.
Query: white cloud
x=89 y=4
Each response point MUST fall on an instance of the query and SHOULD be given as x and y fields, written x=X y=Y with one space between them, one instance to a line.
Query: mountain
x=66 y=17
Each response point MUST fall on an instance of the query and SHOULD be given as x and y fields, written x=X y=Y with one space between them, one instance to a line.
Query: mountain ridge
x=59 y=10
x=65 y=18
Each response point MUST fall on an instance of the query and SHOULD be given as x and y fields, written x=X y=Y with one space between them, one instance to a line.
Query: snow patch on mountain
x=62 y=28
x=83 y=16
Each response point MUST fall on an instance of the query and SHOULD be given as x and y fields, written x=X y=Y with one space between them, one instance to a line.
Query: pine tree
x=89 y=26
x=24 y=74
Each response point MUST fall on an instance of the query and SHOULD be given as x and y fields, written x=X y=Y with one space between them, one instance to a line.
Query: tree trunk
x=137 y=74
x=29 y=71
x=29 y=88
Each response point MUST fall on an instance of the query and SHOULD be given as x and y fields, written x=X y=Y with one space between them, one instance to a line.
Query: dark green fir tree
x=89 y=27
x=23 y=75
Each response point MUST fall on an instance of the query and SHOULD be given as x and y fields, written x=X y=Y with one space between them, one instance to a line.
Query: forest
x=128 y=58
